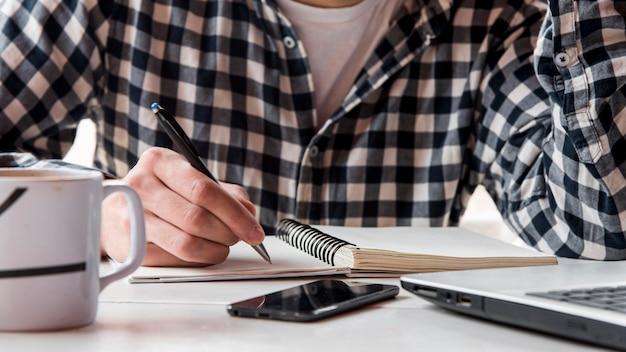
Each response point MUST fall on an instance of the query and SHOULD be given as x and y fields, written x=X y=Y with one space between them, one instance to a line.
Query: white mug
x=50 y=246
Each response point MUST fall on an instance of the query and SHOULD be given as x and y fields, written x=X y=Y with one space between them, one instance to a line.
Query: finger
x=168 y=245
x=178 y=211
x=194 y=186
x=163 y=209
x=157 y=256
x=236 y=191
x=241 y=196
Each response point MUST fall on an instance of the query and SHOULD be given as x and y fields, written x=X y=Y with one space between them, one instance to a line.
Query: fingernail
x=256 y=235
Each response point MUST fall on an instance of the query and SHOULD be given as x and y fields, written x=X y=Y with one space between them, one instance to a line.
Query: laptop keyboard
x=611 y=298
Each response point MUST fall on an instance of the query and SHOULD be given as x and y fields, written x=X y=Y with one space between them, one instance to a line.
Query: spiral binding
x=310 y=240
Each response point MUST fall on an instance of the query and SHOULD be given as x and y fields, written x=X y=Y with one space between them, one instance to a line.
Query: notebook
x=299 y=250
x=578 y=300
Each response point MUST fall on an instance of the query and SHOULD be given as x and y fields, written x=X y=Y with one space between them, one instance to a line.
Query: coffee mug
x=50 y=246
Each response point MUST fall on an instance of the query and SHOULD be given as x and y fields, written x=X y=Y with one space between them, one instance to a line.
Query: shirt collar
x=435 y=13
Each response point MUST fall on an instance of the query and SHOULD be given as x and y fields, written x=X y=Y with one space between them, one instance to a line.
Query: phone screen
x=313 y=301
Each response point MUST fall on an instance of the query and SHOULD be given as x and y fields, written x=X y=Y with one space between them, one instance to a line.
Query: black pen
x=182 y=142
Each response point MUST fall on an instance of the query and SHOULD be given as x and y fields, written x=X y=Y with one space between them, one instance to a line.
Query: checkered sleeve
x=50 y=69
x=576 y=206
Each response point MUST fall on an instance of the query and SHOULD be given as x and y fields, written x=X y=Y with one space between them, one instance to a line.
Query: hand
x=190 y=220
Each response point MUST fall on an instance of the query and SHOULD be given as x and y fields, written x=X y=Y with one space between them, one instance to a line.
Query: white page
x=440 y=241
x=244 y=263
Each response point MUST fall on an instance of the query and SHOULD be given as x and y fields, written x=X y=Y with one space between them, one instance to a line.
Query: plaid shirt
x=448 y=100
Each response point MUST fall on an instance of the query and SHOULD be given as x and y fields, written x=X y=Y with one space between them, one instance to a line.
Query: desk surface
x=192 y=317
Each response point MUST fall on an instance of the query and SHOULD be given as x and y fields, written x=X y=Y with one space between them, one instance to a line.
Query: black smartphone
x=313 y=301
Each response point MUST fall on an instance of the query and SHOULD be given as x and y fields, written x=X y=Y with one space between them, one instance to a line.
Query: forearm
x=574 y=199
x=551 y=145
x=580 y=63
x=49 y=71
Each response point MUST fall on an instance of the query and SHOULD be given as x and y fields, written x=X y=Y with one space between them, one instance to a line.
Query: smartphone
x=313 y=301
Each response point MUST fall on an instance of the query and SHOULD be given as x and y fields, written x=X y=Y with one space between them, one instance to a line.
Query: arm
x=51 y=76
x=560 y=175
x=50 y=71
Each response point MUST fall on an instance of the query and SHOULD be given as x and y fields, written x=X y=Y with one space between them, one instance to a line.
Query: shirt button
x=289 y=42
x=562 y=59
x=314 y=152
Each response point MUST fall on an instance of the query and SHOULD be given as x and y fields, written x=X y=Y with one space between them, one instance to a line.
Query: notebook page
x=244 y=263
x=439 y=241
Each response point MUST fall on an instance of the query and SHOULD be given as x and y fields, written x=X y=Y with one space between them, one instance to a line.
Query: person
x=346 y=112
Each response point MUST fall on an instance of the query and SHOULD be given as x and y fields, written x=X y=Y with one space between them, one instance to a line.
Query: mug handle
x=137 y=232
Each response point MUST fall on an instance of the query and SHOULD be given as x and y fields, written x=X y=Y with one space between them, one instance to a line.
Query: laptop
x=578 y=300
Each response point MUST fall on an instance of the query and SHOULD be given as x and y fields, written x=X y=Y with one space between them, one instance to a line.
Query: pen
x=182 y=142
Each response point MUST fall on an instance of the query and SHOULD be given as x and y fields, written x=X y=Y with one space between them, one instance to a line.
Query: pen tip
x=155 y=107
x=260 y=248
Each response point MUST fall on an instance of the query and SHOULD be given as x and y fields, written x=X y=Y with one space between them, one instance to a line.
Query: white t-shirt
x=338 y=42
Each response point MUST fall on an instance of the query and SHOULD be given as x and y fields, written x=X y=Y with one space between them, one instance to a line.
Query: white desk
x=192 y=317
